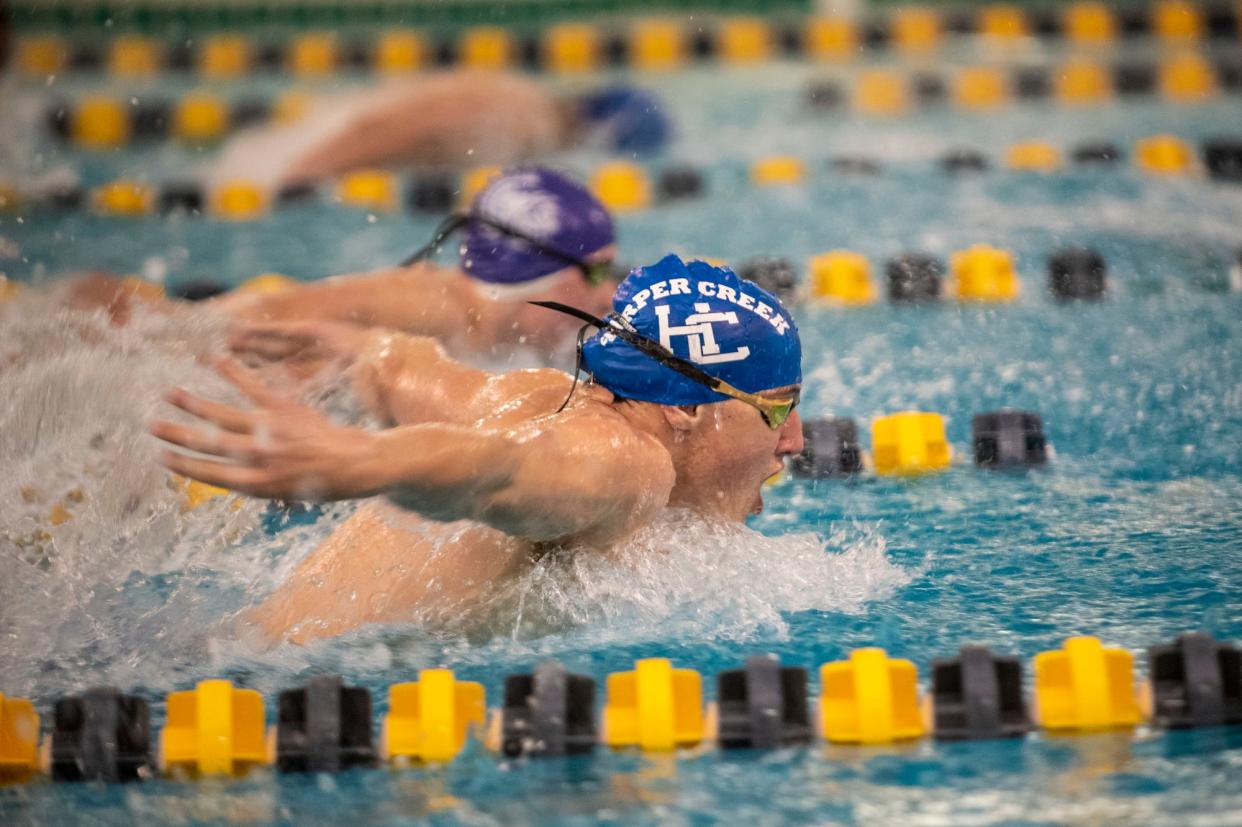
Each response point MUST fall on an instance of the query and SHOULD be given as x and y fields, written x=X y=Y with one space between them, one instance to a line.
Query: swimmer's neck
x=689 y=491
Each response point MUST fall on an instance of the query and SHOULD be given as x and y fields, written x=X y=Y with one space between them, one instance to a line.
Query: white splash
x=126 y=586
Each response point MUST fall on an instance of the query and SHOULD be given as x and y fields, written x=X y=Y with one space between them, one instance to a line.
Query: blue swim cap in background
x=547 y=206
x=731 y=328
x=631 y=120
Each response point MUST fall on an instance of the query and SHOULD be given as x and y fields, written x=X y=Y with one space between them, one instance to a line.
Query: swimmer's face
x=734 y=452
x=578 y=292
x=568 y=287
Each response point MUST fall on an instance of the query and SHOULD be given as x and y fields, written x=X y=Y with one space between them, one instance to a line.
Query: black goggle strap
x=621 y=328
x=447 y=227
x=577 y=367
x=593 y=273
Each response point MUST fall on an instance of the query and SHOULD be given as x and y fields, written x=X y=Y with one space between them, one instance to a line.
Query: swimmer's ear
x=682 y=418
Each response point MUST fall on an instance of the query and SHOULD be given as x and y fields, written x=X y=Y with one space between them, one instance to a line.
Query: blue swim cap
x=731 y=328
x=631 y=119
x=562 y=221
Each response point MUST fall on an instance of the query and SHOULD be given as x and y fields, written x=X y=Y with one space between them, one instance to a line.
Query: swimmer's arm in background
x=403 y=379
x=423 y=299
x=453 y=118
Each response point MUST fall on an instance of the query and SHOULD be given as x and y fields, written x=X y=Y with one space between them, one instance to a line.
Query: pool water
x=1132 y=532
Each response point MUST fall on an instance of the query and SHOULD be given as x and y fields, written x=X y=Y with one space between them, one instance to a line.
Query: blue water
x=1133 y=532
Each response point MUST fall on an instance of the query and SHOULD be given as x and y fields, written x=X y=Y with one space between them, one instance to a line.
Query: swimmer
x=693 y=381
x=442 y=120
x=531 y=233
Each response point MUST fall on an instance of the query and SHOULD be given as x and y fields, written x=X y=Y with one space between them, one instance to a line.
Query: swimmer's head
x=720 y=361
x=729 y=328
x=531 y=222
x=528 y=223
x=629 y=120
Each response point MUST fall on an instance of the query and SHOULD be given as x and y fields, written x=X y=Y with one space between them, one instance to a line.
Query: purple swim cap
x=551 y=208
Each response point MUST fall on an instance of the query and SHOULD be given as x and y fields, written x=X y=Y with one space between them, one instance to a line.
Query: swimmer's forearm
x=446 y=472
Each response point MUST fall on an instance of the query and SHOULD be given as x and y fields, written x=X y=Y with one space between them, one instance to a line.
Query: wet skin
x=488 y=454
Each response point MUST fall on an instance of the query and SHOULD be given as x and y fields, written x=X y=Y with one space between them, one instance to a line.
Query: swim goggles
x=595 y=272
x=775 y=412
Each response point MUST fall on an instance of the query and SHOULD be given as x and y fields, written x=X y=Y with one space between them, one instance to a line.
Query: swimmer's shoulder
x=639 y=452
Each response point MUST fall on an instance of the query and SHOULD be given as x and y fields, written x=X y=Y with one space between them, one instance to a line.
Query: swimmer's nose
x=790 y=442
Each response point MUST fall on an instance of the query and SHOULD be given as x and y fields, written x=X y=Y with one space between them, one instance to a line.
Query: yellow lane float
x=983 y=273
x=656 y=708
x=19 y=739
x=622 y=186
x=1002 y=23
x=224 y=56
x=831 y=38
x=1089 y=23
x=428 y=719
x=916 y=30
x=980 y=87
x=1083 y=82
x=656 y=45
x=266 y=284
x=909 y=443
x=213 y=729
x=881 y=92
x=743 y=40
x=42 y=55
x=571 y=47
x=1164 y=155
x=1035 y=156
x=842 y=276
x=486 y=47
x=870 y=699
x=399 y=51
x=134 y=56
x=1187 y=77
x=100 y=122
x=1085 y=687
x=313 y=54
x=238 y=201
x=1176 y=21
x=474 y=180
x=200 y=118
x=778 y=169
x=123 y=197
x=373 y=189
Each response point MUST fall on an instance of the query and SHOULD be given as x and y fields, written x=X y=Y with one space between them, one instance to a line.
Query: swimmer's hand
x=281 y=449
x=304 y=347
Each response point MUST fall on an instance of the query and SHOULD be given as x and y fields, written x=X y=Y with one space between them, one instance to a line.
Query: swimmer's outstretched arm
x=584 y=474
x=423 y=299
x=402 y=379
x=449 y=118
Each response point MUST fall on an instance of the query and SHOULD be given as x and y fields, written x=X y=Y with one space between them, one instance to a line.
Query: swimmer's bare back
x=388 y=565
x=453 y=119
x=490 y=449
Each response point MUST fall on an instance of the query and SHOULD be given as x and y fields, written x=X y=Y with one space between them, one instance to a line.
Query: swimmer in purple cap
x=531 y=233
x=693 y=380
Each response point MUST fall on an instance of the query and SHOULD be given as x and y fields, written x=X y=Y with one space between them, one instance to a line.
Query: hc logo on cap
x=702 y=337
